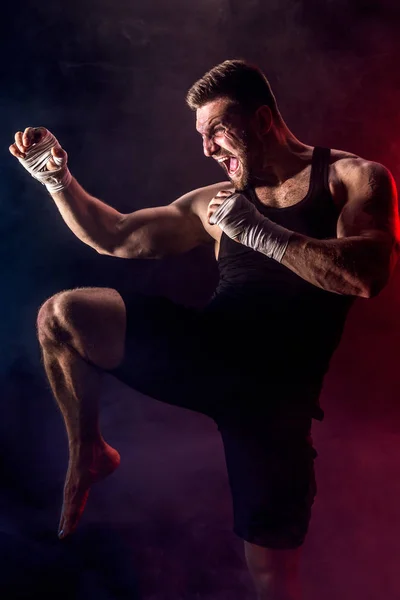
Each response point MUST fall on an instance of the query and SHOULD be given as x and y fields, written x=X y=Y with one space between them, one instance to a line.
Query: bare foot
x=93 y=464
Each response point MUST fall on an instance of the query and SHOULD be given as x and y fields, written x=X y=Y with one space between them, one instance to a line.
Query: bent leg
x=81 y=332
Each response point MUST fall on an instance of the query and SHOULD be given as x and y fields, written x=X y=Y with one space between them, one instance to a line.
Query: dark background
x=109 y=80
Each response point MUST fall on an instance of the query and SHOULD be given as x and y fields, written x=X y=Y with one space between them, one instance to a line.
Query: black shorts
x=190 y=358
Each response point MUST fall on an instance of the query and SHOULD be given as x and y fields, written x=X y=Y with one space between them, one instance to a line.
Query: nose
x=209 y=146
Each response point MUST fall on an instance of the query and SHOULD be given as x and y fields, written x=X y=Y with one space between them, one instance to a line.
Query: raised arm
x=145 y=233
x=161 y=231
x=360 y=261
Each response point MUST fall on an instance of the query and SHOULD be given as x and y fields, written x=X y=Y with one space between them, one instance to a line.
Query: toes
x=61 y=528
x=69 y=519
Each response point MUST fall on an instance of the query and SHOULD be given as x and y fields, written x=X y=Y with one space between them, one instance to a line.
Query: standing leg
x=270 y=463
x=82 y=331
x=275 y=572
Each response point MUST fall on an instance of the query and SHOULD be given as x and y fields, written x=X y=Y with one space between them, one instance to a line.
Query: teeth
x=223 y=159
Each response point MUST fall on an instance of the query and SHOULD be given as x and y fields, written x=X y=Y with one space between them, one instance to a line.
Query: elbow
x=373 y=288
x=104 y=252
x=380 y=275
x=131 y=250
x=105 y=249
x=370 y=291
x=108 y=240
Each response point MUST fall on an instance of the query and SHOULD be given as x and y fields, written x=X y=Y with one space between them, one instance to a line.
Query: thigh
x=189 y=358
x=169 y=355
x=270 y=466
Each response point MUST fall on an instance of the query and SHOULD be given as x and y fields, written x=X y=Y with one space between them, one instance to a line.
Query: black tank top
x=300 y=322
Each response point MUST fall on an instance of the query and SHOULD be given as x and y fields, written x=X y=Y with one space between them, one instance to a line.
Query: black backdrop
x=109 y=79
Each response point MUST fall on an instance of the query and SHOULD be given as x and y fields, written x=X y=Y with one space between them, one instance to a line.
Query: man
x=298 y=232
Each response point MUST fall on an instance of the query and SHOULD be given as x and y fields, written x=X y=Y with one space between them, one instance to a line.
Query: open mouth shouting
x=230 y=163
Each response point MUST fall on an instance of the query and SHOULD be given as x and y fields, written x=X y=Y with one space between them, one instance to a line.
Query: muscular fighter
x=299 y=232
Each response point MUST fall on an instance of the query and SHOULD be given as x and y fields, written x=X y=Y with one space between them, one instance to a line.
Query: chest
x=291 y=192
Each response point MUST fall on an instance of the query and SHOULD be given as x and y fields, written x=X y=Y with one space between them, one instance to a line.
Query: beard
x=246 y=152
x=243 y=181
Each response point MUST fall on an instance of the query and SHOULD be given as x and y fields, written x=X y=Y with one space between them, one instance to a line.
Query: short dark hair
x=242 y=82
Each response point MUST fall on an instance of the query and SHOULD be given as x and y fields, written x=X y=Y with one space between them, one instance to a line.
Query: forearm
x=356 y=266
x=92 y=221
x=146 y=233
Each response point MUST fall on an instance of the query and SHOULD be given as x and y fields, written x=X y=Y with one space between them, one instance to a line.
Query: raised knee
x=91 y=321
x=51 y=318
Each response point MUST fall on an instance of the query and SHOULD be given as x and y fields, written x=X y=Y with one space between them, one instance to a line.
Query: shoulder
x=355 y=170
x=196 y=201
x=351 y=175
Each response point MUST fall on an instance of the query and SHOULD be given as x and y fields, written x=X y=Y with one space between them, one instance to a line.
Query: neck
x=283 y=156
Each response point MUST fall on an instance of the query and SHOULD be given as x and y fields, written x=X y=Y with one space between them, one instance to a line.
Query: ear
x=263 y=117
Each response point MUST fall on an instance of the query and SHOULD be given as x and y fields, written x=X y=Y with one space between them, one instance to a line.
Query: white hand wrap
x=241 y=221
x=36 y=158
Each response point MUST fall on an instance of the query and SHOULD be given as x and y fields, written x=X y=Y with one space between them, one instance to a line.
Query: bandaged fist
x=233 y=212
x=41 y=155
x=216 y=202
x=240 y=220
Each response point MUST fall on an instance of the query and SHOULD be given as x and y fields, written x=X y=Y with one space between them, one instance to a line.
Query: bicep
x=159 y=232
x=371 y=208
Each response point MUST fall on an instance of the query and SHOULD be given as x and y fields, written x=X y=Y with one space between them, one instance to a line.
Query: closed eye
x=219 y=130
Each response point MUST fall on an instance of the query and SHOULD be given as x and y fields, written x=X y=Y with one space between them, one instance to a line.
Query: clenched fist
x=42 y=156
x=216 y=202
